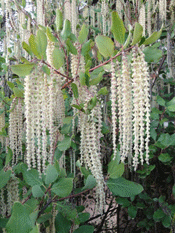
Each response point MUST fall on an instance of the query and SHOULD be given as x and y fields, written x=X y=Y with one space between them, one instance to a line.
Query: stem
x=106 y=62
x=62 y=46
x=56 y=71
x=61 y=199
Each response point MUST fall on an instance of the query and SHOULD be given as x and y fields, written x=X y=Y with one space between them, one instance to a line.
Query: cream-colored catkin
x=12 y=193
x=119 y=8
x=162 y=9
x=126 y=146
x=146 y=100
x=141 y=106
x=149 y=18
x=142 y=17
x=67 y=10
x=40 y=12
x=113 y=106
x=89 y=150
x=119 y=104
x=16 y=129
x=74 y=18
x=3 y=206
x=28 y=109
x=104 y=15
x=2 y=124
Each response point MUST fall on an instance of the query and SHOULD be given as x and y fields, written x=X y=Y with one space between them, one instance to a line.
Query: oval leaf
x=37 y=191
x=138 y=30
x=31 y=177
x=51 y=174
x=4 y=178
x=124 y=188
x=20 y=220
x=105 y=45
x=64 y=187
x=84 y=229
x=58 y=59
x=75 y=90
x=65 y=144
x=118 y=28
x=22 y=69
x=59 y=20
x=155 y=36
x=41 y=41
x=90 y=182
x=83 y=34
x=115 y=170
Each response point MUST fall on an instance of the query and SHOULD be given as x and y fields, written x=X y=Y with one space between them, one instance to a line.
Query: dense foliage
x=87 y=107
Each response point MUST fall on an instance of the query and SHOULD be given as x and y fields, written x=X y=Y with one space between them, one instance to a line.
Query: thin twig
x=106 y=62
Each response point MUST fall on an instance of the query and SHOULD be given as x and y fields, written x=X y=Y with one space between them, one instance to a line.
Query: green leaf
x=86 y=47
x=35 y=229
x=155 y=36
x=90 y=183
x=173 y=190
x=66 y=32
x=9 y=156
x=103 y=91
x=83 y=34
x=124 y=188
x=11 y=85
x=132 y=211
x=4 y=178
x=97 y=79
x=22 y=69
x=3 y=222
x=19 y=220
x=84 y=229
x=71 y=47
x=79 y=107
x=41 y=41
x=75 y=90
x=58 y=58
x=37 y=191
x=165 y=158
x=17 y=92
x=33 y=46
x=123 y=201
x=50 y=35
x=128 y=38
x=115 y=170
x=24 y=3
x=59 y=20
x=160 y=101
x=158 y=214
x=63 y=187
x=163 y=141
x=138 y=30
x=46 y=70
x=43 y=218
x=65 y=144
x=118 y=28
x=152 y=54
x=83 y=217
x=62 y=224
x=31 y=177
x=27 y=48
x=166 y=222
x=51 y=174
x=105 y=45
x=67 y=120
x=171 y=105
